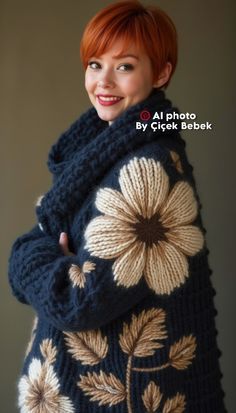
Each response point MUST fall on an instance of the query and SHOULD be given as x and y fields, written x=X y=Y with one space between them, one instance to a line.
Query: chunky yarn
x=126 y=323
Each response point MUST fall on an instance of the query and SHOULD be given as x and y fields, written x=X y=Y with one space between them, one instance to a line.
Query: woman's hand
x=63 y=241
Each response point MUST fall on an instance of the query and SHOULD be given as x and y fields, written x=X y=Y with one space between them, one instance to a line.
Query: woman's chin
x=108 y=117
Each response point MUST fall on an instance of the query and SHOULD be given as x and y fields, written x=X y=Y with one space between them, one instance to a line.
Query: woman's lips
x=108 y=100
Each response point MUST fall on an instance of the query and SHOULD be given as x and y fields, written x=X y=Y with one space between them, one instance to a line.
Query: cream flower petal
x=189 y=239
x=23 y=387
x=166 y=268
x=112 y=202
x=144 y=184
x=43 y=379
x=156 y=184
x=25 y=409
x=65 y=405
x=51 y=378
x=35 y=369
x=180 y=207
x=108 y=237
x=128 y=268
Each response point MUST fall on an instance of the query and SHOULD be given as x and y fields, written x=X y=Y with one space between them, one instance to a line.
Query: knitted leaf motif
x=176 y=160
x=89 y=347
x=48 y=351
x=77 y=275
x=104 y=388
x=152 y=397
x=147 y=227
x=182 y=352
x=139 y=338
x=32 y=336
x=175 y=404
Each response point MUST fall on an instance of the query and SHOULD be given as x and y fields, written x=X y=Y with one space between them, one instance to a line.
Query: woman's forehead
x=119 y=49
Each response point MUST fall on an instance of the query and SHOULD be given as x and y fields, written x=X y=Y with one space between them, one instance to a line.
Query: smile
x=108 y=100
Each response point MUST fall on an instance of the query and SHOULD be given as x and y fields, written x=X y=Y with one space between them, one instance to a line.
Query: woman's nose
x=106 y=80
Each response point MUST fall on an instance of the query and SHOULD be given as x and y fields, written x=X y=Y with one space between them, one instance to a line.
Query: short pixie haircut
x=149 y=28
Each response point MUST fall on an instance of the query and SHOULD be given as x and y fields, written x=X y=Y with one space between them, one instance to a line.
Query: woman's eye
x=93 y=65
x=126 y=67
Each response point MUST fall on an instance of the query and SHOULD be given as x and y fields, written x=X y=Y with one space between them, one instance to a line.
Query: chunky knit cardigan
x=127 y=323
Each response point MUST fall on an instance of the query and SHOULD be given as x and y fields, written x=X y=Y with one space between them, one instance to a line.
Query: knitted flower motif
x=146 y=227
x=39 y=391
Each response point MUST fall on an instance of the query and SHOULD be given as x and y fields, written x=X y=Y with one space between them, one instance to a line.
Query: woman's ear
x=164 y=75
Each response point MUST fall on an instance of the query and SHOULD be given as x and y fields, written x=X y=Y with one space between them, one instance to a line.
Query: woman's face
x=116 y=83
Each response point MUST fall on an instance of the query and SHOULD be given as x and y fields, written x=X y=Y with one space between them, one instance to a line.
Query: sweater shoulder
x=169 y=155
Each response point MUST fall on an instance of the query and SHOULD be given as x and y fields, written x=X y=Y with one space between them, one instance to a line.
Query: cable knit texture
x=126 y=324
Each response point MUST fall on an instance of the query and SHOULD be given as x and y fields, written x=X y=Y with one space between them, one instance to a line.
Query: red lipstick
x=108 y=100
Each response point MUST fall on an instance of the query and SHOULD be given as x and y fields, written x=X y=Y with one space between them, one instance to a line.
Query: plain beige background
x=42 y=92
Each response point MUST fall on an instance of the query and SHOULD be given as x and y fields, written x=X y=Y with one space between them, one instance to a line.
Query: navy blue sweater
x=126 y=324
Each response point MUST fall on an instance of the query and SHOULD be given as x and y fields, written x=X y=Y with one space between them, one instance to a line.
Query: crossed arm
x=72 y=292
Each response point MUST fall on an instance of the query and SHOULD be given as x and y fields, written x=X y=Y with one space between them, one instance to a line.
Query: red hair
x=149 y=28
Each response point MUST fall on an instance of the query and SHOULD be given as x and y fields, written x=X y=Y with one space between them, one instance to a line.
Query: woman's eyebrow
x=125 y=55
x=116 y=57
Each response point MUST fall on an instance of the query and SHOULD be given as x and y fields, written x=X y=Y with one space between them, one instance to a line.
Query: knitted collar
x=85 y=153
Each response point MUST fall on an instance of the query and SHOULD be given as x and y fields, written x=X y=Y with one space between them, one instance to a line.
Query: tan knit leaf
x=104 y=388
x=152 y=397
x=176 y=160
x=48 y=351
x=138 y=338
x=182 y=352
x=175 y=405
x=77 y=275
x=88 y=266
x=89 y=347
x=32 y=336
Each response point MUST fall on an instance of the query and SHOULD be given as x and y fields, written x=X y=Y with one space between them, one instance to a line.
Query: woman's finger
x=63 y=241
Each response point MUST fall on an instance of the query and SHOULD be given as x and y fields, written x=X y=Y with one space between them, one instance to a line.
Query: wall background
x=42 y=93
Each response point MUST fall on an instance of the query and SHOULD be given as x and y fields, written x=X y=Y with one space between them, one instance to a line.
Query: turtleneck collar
x=88 y=150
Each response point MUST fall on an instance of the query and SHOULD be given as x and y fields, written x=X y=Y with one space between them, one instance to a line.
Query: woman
x=117 y=266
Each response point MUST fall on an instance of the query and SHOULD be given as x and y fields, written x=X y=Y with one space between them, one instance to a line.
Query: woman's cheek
x=129 y=86
x=89 y=81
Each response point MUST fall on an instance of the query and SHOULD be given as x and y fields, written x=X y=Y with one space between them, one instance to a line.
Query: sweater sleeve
x=72 y=294
x=137 y=241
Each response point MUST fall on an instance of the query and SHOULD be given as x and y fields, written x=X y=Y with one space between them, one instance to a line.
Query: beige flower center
x=150 y=230
x=42 y=397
